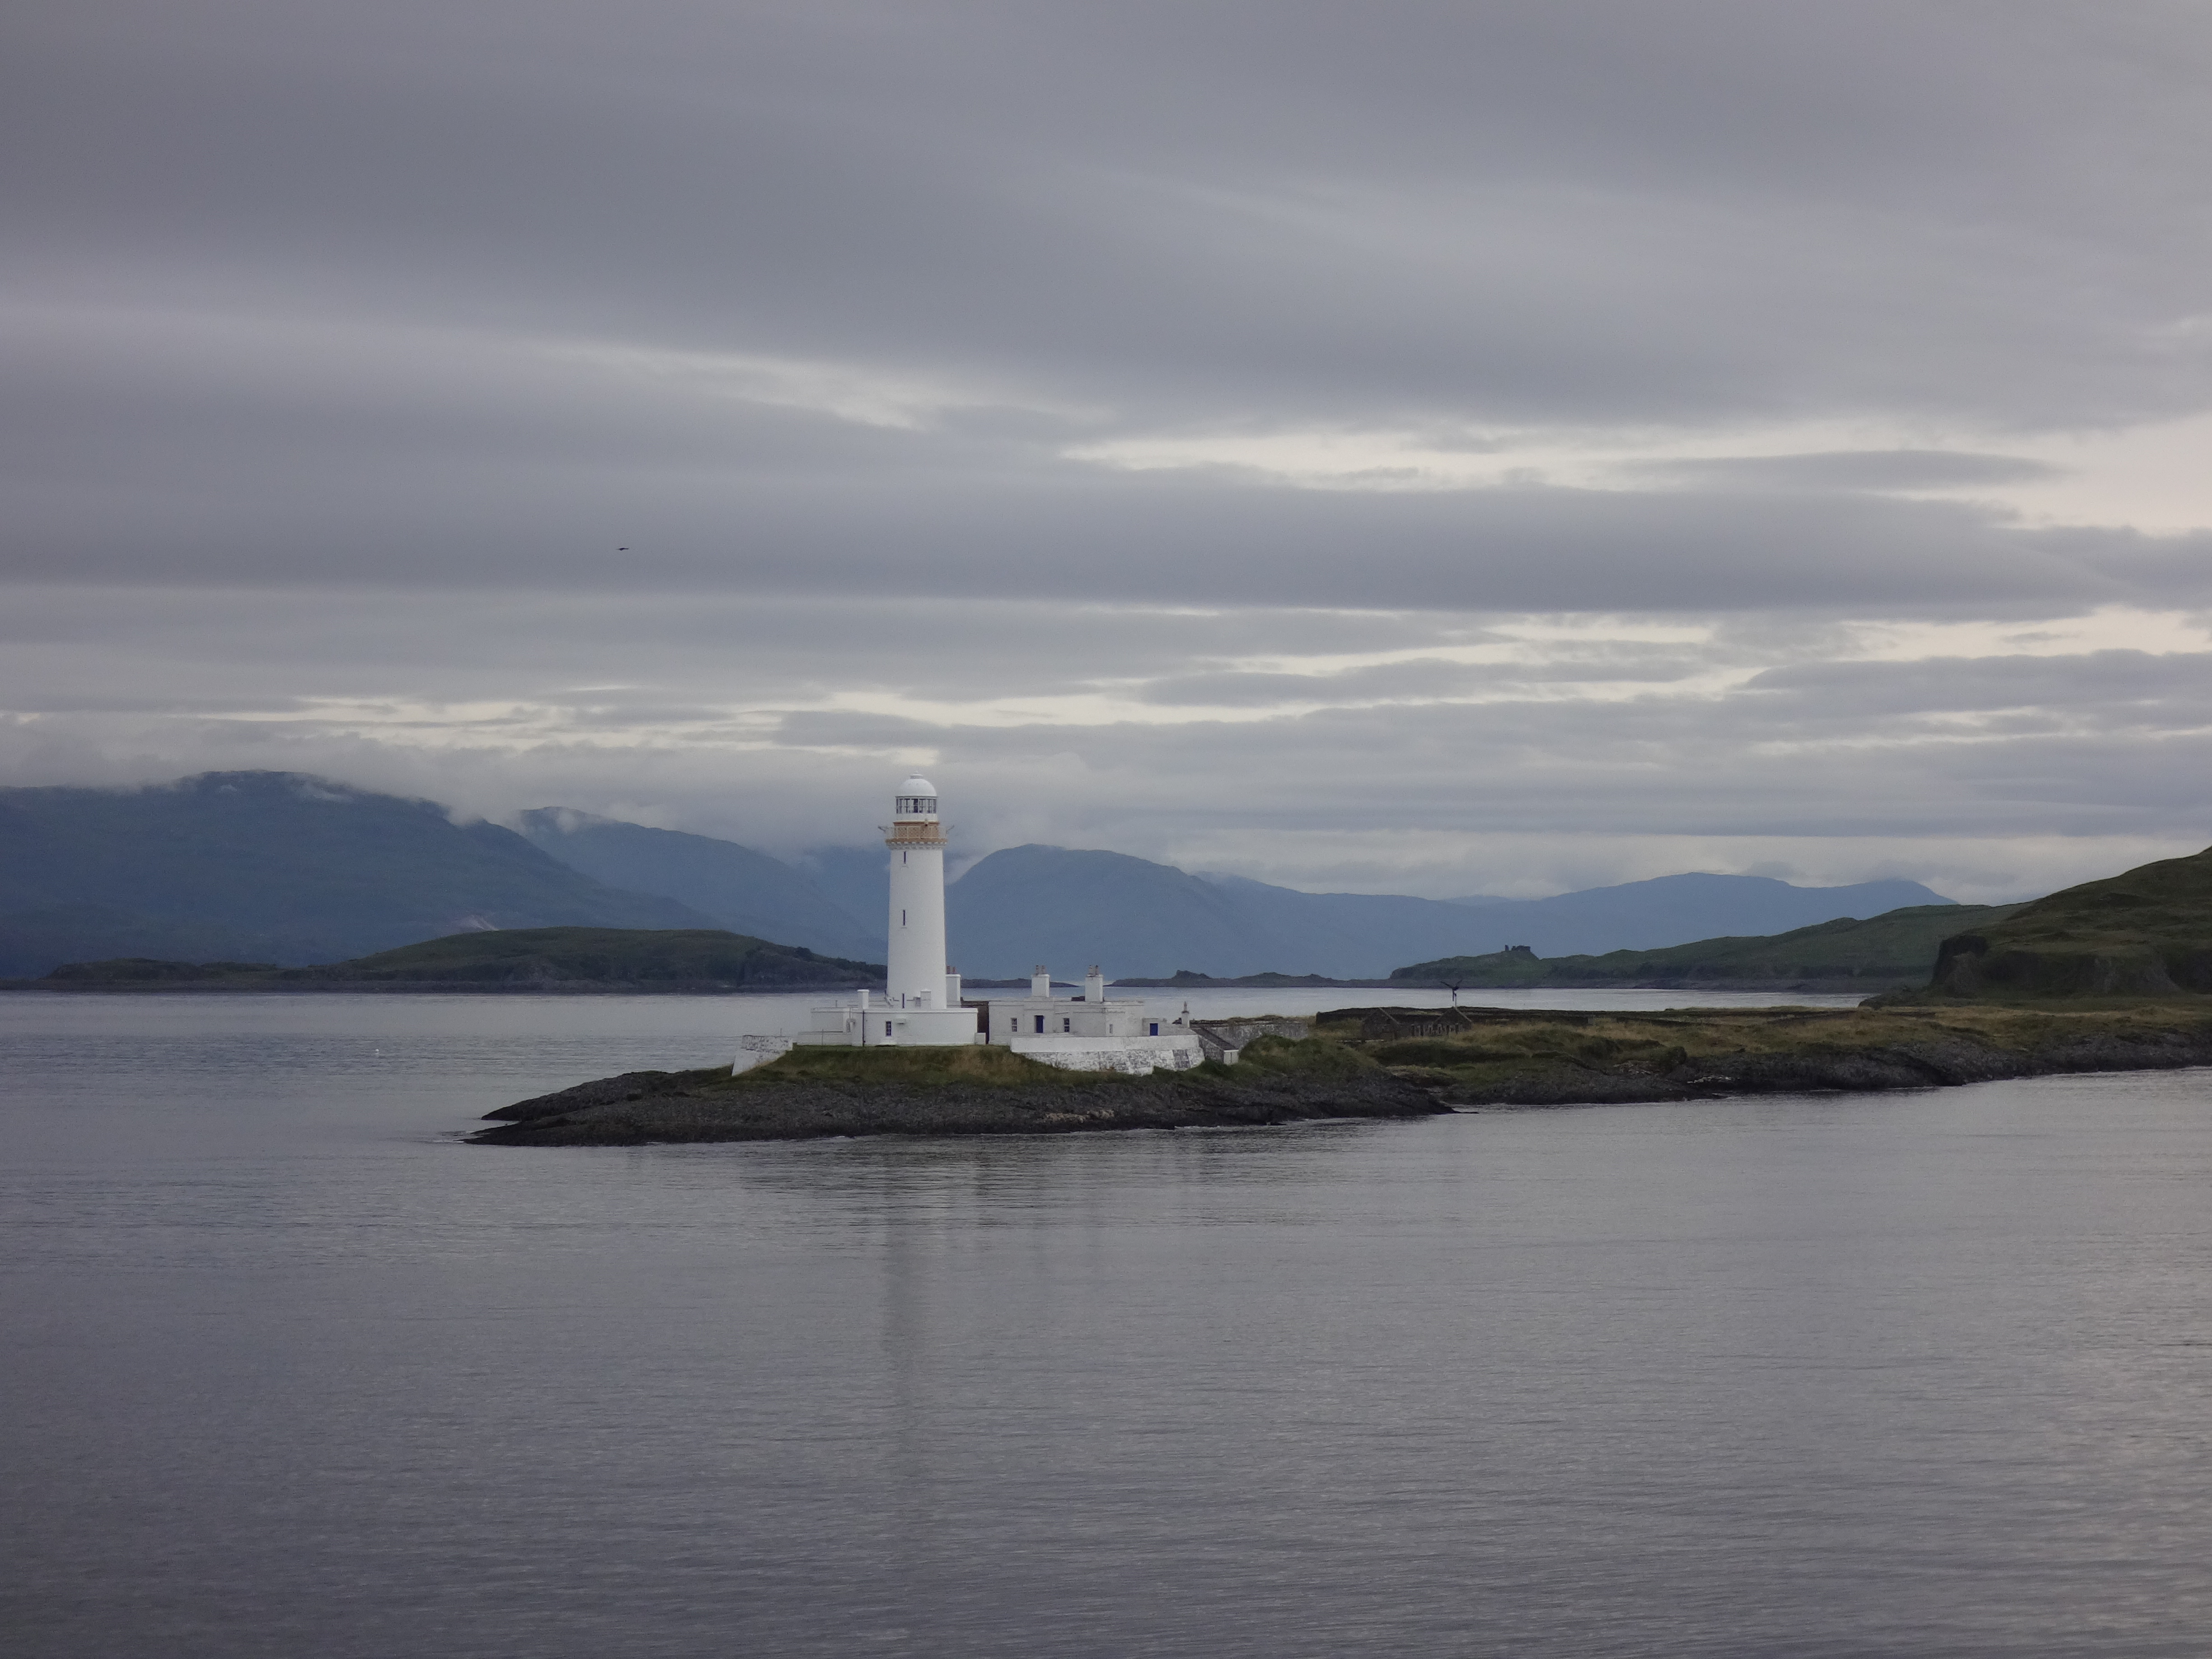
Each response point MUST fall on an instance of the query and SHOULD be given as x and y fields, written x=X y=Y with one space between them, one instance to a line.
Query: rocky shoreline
x=1874 y=1070
x=642 y=1107
x=1376 y=1063
x=1498 y=1057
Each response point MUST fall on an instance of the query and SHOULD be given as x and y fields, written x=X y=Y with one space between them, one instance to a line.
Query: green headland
x=2145 y=933
x=1895 y=949
x=540 y=959
x=813 y=1092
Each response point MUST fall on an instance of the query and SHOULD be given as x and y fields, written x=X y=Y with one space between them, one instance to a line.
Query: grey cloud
x=1890 y=469
x=2099 y=683
x=1831 y=762
x=323 y=509
x=1600 y=210
x=1425 y=679
x=282 y=426
x=1651 y=766
x=198 y=647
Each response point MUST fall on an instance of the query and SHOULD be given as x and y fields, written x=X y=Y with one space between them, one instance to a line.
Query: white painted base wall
x=1136 y=1055
x=758 y=1050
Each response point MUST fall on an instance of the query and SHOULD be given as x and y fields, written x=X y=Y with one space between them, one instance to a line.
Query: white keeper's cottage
x=922 y=1006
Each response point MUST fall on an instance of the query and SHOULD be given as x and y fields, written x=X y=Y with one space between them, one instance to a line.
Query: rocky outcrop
x=1873 y=1069
x=2145 y=933
x=1473 y=1056
x=1968 y=966
x=639 y=1108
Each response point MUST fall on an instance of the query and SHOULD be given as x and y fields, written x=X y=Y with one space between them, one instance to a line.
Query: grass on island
x=1475 y=1048
x=970 y=1066
x=977 y=1065
x=2147 y=932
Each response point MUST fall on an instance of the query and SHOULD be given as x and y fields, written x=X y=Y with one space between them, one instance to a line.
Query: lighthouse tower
x=923 y=1005
x=918 y=976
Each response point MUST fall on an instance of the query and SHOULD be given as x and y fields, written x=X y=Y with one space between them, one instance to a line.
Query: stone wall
x=1138 y=1056
x=1221 y=1039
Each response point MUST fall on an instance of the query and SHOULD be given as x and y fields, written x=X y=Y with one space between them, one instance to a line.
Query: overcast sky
x=1440 y=449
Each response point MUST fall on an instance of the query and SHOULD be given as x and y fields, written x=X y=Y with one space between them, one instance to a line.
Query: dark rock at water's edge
x=812 y=1093
x=1371 y=1063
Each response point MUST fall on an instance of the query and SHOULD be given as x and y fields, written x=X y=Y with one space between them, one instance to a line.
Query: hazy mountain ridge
x=272 y=867
x=1899 y=947
x=686 y=960
x=739 y=887
x=1068 y=908
x=1663 y=910
x=280 y=867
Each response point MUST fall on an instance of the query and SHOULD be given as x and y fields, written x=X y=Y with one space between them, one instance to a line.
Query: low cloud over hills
x=745 y=891
x=272 y=867
x=286 y=868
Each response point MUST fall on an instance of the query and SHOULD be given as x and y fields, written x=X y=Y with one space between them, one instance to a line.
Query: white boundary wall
x=1134 y=1054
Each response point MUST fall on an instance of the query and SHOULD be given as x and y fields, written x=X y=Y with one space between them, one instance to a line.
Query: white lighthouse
x=919 y=977
x=922 y=1005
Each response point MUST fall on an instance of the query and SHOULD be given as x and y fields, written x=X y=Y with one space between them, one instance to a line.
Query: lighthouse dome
x=916 y=799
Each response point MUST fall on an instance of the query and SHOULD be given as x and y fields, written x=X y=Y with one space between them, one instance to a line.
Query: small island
x=812 y=1092
x=2109 y=976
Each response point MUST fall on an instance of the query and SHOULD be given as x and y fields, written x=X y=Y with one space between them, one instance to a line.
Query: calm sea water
x=289 y=1371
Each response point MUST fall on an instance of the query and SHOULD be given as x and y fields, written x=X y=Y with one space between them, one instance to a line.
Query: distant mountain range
x=1136 y=919
x=272 y=867
x=1644 y=915
x=745 y=891
x=1898 y=948
x=693 y=959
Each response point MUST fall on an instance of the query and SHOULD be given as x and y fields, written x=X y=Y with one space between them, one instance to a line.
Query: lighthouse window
x=1040 y=1020
x=1066 y=1025
x=917 y=803
x=901 y=918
